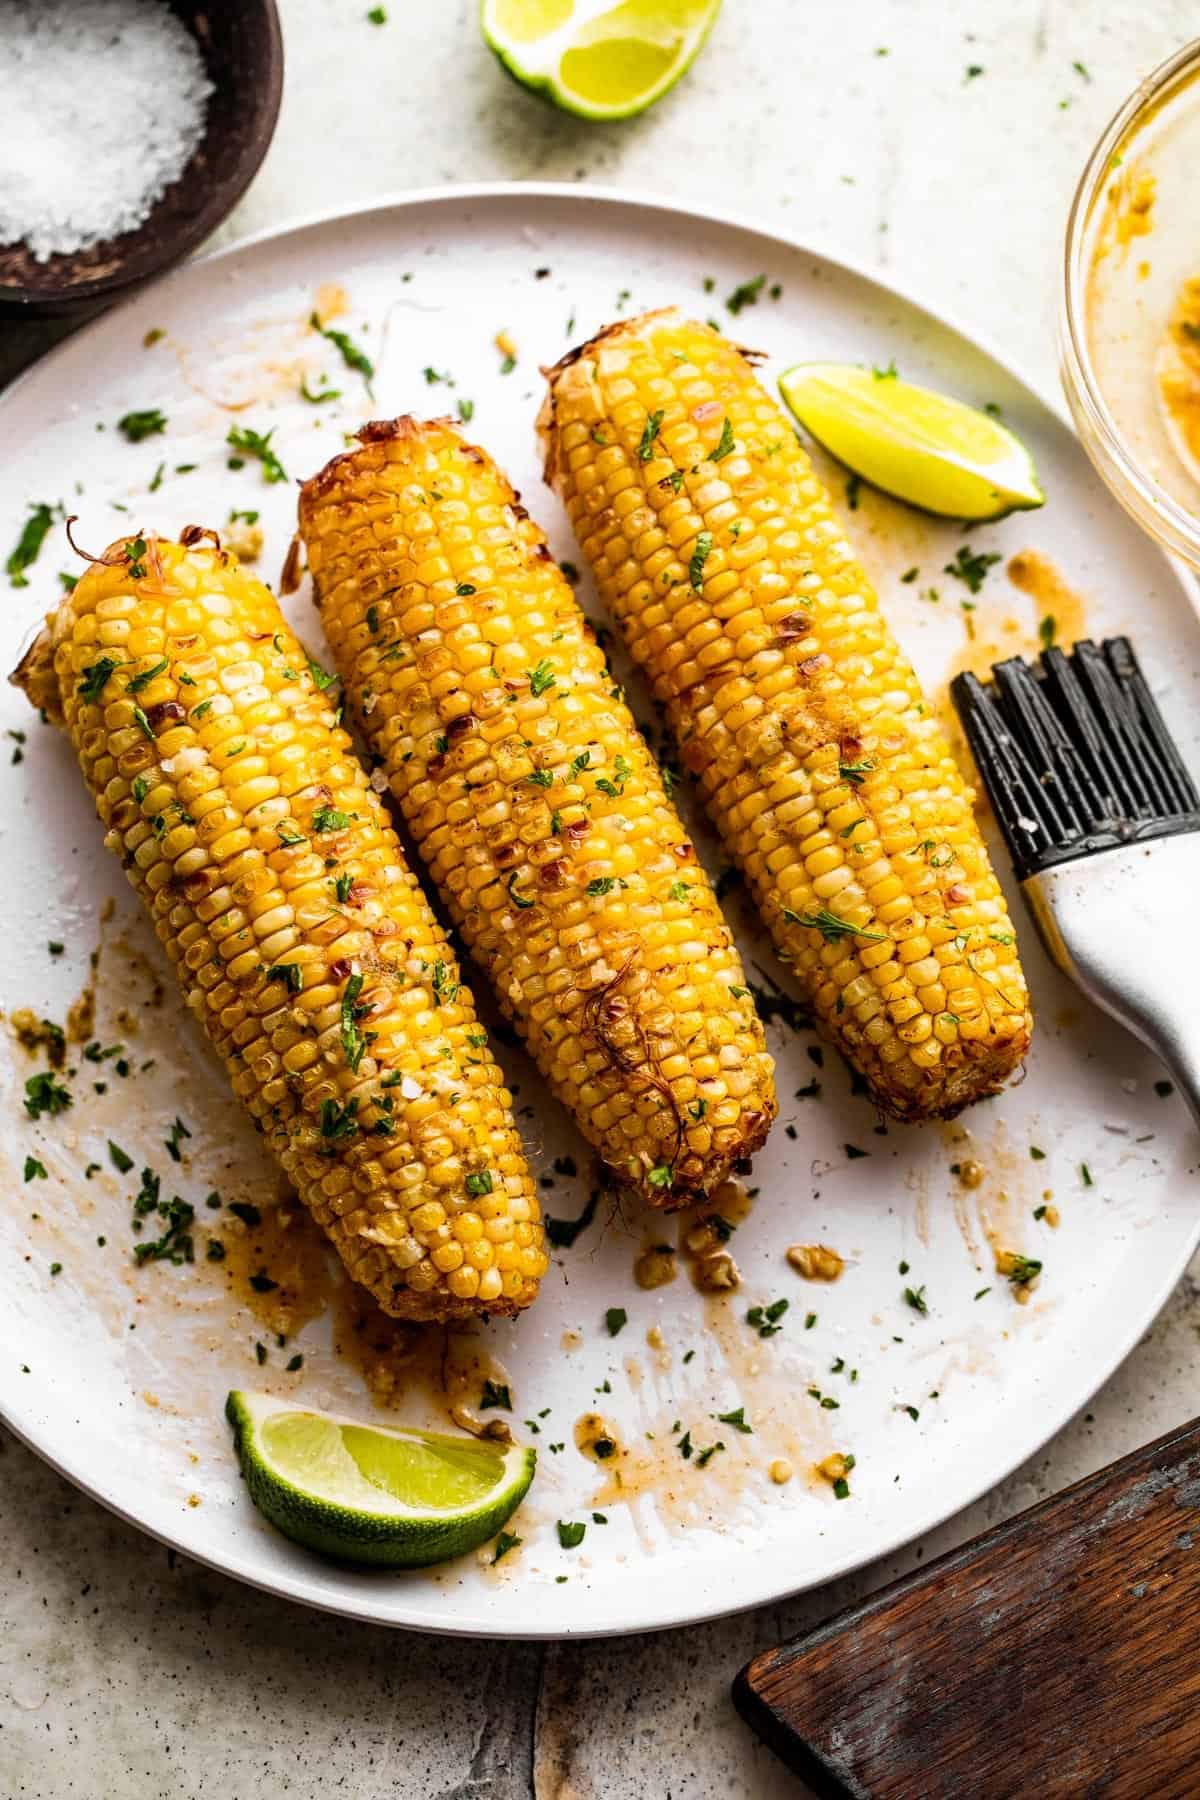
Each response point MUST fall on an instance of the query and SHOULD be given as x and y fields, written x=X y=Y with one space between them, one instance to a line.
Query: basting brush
x=1101 y=819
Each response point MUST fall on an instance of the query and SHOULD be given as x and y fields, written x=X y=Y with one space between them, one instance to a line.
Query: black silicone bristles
x=1074 y=754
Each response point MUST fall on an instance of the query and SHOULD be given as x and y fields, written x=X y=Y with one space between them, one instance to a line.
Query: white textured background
x=129 y=1674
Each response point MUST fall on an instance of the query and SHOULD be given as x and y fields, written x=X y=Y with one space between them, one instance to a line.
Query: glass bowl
x=1130 y=353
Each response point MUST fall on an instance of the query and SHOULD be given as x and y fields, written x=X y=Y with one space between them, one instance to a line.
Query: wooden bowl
x=242 y=47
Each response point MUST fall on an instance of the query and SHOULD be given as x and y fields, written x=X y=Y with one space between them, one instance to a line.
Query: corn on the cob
x=302 y=942
x=714 y=545
x=535 y=804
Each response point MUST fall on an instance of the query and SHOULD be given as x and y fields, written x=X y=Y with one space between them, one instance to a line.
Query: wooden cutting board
x=1058 y=1655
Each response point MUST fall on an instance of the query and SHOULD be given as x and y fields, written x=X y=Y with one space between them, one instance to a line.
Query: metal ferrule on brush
x=1102 y=821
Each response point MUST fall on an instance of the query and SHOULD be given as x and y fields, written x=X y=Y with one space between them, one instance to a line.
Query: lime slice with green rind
x=934 y=452
x=376 y=1494
x=594 y=58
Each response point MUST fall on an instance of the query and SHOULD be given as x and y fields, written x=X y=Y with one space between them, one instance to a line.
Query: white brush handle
x=1125 y=926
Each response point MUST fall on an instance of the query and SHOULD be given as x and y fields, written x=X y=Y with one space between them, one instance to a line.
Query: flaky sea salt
x=104 y=103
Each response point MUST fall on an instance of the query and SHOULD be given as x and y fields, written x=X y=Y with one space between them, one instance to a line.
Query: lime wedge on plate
x=374 y=1493
x=593 y=58
x=920 y=446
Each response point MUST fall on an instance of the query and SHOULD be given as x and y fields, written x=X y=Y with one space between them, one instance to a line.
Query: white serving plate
x=128 y=1368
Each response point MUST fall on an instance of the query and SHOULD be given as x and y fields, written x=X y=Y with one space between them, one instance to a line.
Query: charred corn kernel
x=714 y=545
x=536 y=806
x=302 y=942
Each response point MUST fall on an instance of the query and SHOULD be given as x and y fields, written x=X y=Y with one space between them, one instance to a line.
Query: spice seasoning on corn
x=536 y=805
x=818 y=757
x=302 y=942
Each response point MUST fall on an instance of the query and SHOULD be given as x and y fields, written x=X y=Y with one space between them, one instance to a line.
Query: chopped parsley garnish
x=737 y=1419
x=507 y=1540
x=171 y=1143
x=615 y=1318
x=699 y=556
x=291 y=974
x=725 y=445
x=603 y=884
x=971 y=567
x=322 y=679
x=34 y=1170
x=1023 y=1270
x=705 y=1456
x=338 y=1121
x=135 y=550
x=652 y=428
x=853 y=1152
x=261 y=1282
x=95 y=677
x=563 y=1232
x=29 y=544
x=662 y=1175
x=570 y=1533
x=143 y=724
x=495 y=1393
x=480 y=1182
x=139 y=425
x=120 y=1159
x=1086 y=1174
x=287 y=834
x=215 y=1251
x=45 y=1094
x=341 y=888
x=246 y=1211
x=147 y=676
x=541 y=677
x=678 y=890
x=521 y=901
x=320 y=398
x=615 y=787
x=445 y=988
x=256 y=443
x=855 y=772
x=765 y=1319
x=831 y=928
x=746 y=294
x=352 y=356
x=328 y=818
x=175 y=1245
x=915 y=1297
x=354 y=1041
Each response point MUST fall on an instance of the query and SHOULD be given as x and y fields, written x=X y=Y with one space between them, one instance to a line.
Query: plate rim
x=295 y=1586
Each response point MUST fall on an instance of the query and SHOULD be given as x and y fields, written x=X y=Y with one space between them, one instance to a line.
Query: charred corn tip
x=535 y=805
x=714 y=545
x=301 y=941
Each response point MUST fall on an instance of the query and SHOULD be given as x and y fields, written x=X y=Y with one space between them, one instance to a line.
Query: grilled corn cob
x=714 y=545
x=303 y=944
x=535 y=804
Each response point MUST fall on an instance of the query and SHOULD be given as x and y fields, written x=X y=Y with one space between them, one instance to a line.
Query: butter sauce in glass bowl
x=1130 y=324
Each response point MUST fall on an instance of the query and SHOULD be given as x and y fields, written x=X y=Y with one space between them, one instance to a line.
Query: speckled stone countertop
x=126 y=1672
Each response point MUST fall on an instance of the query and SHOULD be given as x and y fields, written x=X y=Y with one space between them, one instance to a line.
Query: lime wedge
x=920 y=446
x=593 y=58
x=374 y=1493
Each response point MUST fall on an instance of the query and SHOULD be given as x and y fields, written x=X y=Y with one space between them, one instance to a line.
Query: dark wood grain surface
x=1058 y=1655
